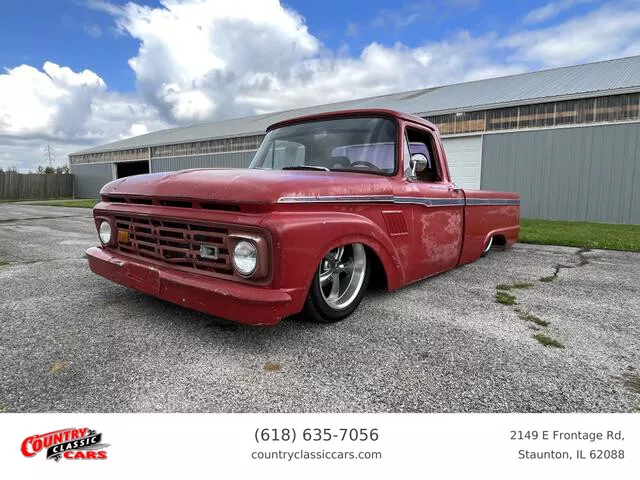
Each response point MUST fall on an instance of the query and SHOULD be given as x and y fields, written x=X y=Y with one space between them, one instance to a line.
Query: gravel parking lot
x=72 y=341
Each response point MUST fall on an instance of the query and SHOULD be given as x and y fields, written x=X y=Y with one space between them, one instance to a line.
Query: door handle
x=454 y=188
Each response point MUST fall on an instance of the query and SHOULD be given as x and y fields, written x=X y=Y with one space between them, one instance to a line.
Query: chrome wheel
x=341 y=274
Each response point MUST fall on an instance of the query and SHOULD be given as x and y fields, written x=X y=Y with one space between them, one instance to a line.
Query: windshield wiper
x=306 y=167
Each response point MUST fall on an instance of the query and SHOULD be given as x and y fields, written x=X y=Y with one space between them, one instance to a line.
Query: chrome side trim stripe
x=493 y=201
x=338 y=199
x=427 y=202
x=431 y=202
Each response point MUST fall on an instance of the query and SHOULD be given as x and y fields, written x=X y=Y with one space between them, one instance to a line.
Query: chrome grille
x=175 y=242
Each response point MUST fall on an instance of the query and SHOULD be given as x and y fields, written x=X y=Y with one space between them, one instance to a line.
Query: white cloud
x=136 y=129
x=67 y=109
x=609 y=32
x=195 y=56
x=217 y=59
x=93 y=30
x=54 y=101
x=551 y=10
x=211 y=59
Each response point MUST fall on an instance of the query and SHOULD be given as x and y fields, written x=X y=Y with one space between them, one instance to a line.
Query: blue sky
x=82 y=72
x=71 y=33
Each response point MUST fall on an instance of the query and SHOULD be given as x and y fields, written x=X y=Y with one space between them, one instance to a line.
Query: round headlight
x=245 y=257
x=105 y=232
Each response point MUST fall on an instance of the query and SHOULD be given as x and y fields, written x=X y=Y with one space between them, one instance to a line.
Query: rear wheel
x=339 y=283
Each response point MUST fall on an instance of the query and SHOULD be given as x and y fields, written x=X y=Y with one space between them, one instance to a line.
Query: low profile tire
x=339 y=284
x=487 y=247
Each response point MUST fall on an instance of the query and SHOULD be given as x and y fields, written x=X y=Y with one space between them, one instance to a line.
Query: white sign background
x=412 y=446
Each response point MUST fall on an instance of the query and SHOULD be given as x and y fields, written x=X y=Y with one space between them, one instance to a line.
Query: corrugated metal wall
x=90 y=178
x=219 y=160
x=581 y=173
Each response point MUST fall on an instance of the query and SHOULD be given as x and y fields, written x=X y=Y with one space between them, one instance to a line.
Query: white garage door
x=464 y=155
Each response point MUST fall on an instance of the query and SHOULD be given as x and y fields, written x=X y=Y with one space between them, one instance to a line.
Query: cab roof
x=360 y=112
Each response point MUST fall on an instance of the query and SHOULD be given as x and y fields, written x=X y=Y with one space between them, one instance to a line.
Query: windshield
x=359 y=144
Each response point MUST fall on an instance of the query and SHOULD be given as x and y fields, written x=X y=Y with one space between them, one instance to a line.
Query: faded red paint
x=411 y=241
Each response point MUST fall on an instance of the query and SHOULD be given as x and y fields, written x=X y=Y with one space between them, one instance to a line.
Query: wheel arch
x=302 y=238
x=381 y=258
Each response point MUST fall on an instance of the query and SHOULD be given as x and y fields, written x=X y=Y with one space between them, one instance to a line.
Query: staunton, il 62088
x=328 y=202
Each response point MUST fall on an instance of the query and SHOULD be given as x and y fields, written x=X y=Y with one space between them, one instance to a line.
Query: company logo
x=70 y=443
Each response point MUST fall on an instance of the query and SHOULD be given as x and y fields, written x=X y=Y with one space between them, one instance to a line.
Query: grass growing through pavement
x=547 y=341
x=606 y=236
x=505 y=298
x=514 y=286
x=530 y=317
x=632 y=381
x=79 y=203
x=548 y=279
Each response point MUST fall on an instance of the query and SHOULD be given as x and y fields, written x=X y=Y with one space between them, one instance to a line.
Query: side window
x=422 y=142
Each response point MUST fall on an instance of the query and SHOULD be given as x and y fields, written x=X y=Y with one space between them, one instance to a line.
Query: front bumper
x=226 y=299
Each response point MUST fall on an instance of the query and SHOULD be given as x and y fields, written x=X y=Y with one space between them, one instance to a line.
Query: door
x=127 y=169
x=464 y=156
x=437 y=209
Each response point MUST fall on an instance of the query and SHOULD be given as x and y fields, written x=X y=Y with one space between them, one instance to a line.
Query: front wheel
x=339 y=283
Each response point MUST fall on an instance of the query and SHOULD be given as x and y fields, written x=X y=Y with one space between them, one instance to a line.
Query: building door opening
x=126 y=169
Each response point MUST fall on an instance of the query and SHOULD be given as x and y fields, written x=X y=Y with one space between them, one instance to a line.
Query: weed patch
x=631 y=381
x=57 y=367
x=505 y=298
x=548 y=341
x=514 y=286
x=272 y=367
x=530 y=317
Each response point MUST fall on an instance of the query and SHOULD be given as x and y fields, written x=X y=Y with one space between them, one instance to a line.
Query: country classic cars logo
x=70 y=443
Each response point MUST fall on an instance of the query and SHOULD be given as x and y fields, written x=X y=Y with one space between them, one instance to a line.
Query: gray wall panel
x=219 y=160
x=90 y=178
x=582 y=173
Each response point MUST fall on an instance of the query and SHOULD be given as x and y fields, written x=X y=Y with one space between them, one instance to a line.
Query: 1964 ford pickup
x=328 y=201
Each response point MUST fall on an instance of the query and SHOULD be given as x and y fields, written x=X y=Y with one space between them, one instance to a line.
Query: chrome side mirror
x=419 y=163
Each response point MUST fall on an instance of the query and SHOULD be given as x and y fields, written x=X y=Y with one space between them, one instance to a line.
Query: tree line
x=63 y=169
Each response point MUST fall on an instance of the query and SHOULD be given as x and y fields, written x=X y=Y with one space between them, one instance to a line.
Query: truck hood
x=248 y=185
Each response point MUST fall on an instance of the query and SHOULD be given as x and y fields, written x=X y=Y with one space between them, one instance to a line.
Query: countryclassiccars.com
x=328 y=201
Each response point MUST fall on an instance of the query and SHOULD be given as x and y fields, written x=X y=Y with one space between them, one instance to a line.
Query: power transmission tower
x=49 y=153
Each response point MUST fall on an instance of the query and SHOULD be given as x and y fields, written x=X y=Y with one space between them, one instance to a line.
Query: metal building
x=567 y=139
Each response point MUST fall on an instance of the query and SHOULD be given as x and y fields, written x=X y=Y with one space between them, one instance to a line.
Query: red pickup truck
x=328 y=201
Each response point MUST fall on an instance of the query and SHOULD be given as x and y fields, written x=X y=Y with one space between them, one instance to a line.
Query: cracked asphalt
x=71 y=341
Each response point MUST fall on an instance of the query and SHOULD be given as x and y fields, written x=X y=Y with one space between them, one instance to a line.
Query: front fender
x=301 y=239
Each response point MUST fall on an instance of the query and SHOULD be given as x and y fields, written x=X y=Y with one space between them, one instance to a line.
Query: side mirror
x=419 y=163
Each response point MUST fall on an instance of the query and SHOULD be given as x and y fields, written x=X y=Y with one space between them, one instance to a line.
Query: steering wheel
x=365 y=164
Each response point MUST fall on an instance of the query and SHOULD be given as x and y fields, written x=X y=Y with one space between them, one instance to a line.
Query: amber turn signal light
x=123 y=236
